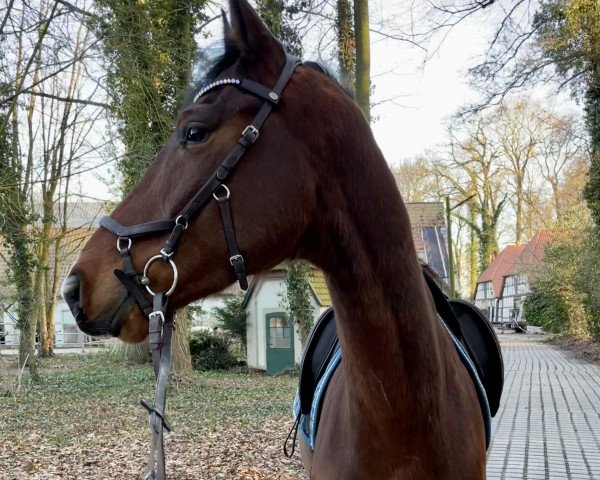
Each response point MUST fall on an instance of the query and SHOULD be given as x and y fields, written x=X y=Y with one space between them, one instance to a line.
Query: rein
x=161 y=318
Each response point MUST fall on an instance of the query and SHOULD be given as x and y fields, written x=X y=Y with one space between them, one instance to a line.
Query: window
x=434 y=242
x=72 y=335
x=279 y=333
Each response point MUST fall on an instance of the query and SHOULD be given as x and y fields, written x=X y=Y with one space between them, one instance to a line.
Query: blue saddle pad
x=308 y=423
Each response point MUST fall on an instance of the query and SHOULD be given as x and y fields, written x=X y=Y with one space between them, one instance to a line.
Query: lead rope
x=291 y=436
x=161 y=324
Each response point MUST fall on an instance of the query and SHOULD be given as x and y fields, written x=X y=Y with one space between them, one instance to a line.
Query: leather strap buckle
x=250 y=133
x=157 y=313
x=236 y=259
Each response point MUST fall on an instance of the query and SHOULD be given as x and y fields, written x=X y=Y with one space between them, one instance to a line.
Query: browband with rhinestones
x=218 y=83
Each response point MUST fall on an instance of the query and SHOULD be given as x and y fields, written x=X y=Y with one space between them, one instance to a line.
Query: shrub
x=547 y=310
x=232 y=318
x=210 y=352
x=297 y=299
x=589 y=281
x=563 y=287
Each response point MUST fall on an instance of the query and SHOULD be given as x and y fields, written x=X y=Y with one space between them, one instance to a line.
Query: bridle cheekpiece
x=160 y=317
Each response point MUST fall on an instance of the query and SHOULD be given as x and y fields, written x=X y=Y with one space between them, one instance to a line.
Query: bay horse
x=315 y=186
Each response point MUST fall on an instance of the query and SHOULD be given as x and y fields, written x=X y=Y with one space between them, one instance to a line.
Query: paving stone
x=548 y=424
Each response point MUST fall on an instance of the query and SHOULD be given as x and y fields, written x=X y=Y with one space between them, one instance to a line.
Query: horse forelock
x=209 y=63
x=213 y=60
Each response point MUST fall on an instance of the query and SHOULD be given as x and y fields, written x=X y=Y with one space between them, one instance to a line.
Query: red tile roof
x=501 y=266
x=513 y=259
x=533 y=251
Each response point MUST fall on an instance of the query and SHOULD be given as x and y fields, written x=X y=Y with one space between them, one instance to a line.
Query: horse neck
x=388 y=329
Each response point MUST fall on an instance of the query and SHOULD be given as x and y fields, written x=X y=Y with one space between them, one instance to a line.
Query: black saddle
x=464 y=320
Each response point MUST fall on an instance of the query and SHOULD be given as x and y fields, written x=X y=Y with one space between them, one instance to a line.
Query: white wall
x=485 y=301
x=515 y=293
x=67 y=331
x=266 y=298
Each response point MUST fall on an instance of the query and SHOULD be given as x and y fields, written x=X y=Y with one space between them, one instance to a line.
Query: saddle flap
x=468 y=325
x=320 y=347
x=483 y=347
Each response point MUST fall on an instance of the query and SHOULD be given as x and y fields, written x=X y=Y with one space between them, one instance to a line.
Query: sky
x=412 y=98
x=426 y=93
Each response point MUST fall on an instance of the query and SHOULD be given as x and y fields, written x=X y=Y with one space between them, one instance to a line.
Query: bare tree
x=517 y=126
x=471 y=167
x=562 y=144
x=49 y=118
x=415 y=180
x=551 y=42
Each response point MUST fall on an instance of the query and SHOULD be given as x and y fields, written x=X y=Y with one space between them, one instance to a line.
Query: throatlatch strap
x=161 y=325
x=235 y=258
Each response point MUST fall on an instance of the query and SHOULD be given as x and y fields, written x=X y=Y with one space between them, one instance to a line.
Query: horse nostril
x=70 y=292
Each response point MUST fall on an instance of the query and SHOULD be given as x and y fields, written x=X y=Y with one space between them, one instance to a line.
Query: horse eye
x=195 y=134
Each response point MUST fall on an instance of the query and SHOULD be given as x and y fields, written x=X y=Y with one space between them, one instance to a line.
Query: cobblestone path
x=548 y=424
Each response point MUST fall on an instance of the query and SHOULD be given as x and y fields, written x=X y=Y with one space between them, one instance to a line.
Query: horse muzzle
x=109 y=323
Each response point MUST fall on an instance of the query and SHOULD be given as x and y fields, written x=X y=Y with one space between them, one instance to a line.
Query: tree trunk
x=362 y=86
x=592 y=120
x=457 y=248
x=182 y=360
x=27 y=355
x=488 y=241
x=41 y=291
x=39 y=310
x=346 y=43
x=473 y=249
x=52 y=286
x=556 y=197
x=519 y=210
x=26 y=322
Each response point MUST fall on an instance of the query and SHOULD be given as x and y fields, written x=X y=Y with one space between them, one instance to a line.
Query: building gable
x=428 y=227
x=500 y=266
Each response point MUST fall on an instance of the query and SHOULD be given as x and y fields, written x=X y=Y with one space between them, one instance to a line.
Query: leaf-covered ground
x=582 y=348
x=81 y=421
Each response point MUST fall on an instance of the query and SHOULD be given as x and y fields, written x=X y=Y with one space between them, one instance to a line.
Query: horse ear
x=227 y=30
x=248 y=31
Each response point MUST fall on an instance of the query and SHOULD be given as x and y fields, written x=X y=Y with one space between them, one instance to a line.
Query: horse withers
x=310 y=183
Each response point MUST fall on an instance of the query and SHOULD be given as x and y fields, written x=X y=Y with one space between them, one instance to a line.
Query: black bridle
x=160 y=316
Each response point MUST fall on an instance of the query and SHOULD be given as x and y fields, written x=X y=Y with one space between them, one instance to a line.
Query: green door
x=280 y=342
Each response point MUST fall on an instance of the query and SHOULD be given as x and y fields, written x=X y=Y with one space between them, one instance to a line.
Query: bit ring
x=175 y=273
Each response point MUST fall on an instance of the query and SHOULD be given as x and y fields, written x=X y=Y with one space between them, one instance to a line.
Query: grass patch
x=81 y=420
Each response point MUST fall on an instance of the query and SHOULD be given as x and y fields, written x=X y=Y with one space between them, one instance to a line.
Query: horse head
x=274 y=190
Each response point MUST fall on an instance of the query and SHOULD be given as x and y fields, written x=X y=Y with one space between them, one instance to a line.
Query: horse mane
x=213 y=60
x=320 y=67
